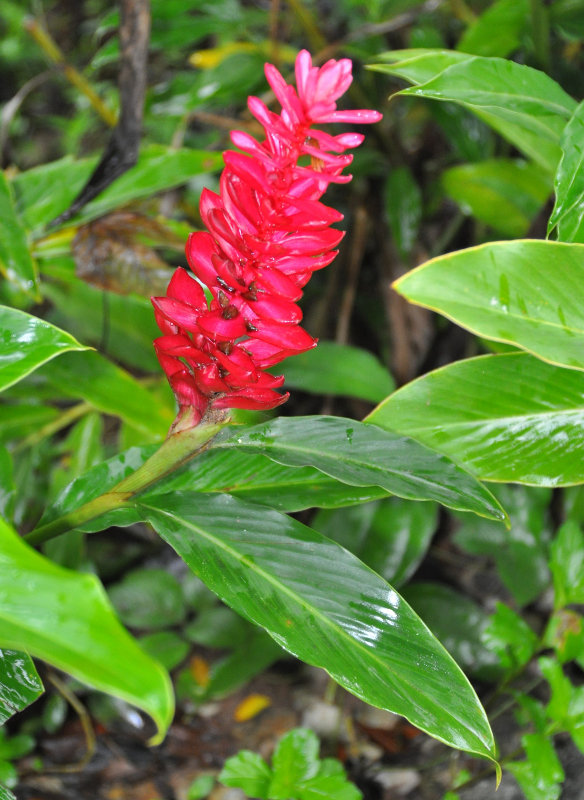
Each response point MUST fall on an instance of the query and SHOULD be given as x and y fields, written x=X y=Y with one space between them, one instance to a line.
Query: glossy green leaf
x=16 y=263
x=418 y=65
x=28 y=342
x=111 y=390
x=44 y=192
x=148 y=599
x=364 y=455
x=6 y=794
x=567 y=564
x=503 y=193
x=568 y=213
x=541 y=774
x=459 y=624
x=349 y=621
x=528 y=293
x=20 y=684
x=64 y=617
x=391 y=536
x=403 y=205
x=524 y=105
x=520 y=553
x=501 y=417
x=337 y=369
x=498 y=30
x=218 y=627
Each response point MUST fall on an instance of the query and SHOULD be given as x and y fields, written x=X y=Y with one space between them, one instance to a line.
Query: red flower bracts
x=267 y=233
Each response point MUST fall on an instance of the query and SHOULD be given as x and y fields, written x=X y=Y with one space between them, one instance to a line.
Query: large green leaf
x=527 y=293
x=568 y=213
x=65 y=618
x=323 y=605
x=391 y=536
x=111 y=390
x=16 y=263
x=503 y=193
x=497 y=32
x=44 y=192
x=20 y=684
x=508 y=417
x=339 y=369
x=364 y=455
x=524 y=105
x=28 y=342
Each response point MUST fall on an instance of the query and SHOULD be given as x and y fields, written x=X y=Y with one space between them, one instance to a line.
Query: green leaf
x=295 y=760
x=17 y=421
x=7 y=484
x=503 y=193
x=111 y=390
x=337 y=369
x=568 y=215
x=349 y=621
x=520 y=553
x=501 y=417
x=167 y=647
x=64 y=617
x=418 y=65
x=20 y=684
x=567 y=565
x=218 y=627
x=148 y=598
x=458 y=623
x=16 y=263
x=44 y=192
x=528 y=293
x=541 y=774
x=247 y=771
x=28 y=342
x=498 y=31
x=6 y=794
x=329 y=785
x=364 y=455
x=510 y=637
x=524 y=105
x=391 y=536
x=403 y=205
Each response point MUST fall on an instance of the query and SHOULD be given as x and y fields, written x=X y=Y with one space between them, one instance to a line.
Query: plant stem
x=540 y=30
x=64 y=419
x=55 y=55
x=174 y=453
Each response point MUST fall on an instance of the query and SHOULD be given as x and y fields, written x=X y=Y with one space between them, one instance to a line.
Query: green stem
x=174 y=453
x=541 y=32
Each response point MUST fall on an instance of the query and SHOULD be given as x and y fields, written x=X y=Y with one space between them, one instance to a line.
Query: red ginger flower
x=267 y=233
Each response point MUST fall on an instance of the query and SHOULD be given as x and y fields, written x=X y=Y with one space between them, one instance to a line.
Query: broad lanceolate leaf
x=27 y=342
x=64 y=617
x=20 y=684
x=44 y=192
x=320 y=603
x=508 y=417
x=503 y=193
x=568 y=213
x=522 y=104
x=526 y=293
x=111 y=390
x=16 y=263
x=364 y=455
x=567 y=564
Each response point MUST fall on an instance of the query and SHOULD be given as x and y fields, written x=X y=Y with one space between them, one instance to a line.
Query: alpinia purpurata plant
x=267 y=233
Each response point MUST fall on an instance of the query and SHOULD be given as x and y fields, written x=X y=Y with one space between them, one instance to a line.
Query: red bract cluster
x=267 y=233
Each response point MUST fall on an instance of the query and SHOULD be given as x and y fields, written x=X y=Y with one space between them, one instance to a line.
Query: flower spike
x=267 y=232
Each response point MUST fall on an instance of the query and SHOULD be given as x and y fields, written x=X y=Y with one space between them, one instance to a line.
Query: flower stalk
x=175 y=452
